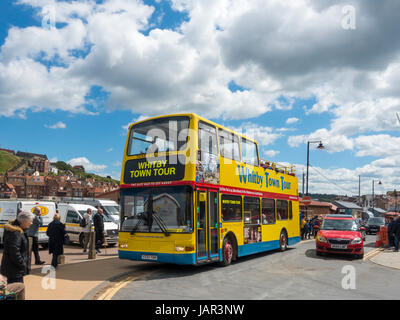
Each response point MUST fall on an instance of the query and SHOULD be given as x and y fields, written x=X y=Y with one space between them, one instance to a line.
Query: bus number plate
x=149 y=257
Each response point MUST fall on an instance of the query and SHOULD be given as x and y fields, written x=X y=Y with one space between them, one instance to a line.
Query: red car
x=340 y=234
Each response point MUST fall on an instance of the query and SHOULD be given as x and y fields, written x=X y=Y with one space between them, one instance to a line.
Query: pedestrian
x=396 y=232
x=391 y=225
x=8 y=289
x=98 y=222
x=87 y=228
x=15 y=260
x=303 y=228
x=56 y=233
x=309 y=228
x=33 y=233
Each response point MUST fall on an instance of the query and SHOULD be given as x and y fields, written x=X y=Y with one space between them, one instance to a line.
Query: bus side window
x=290 y=210
x=282 y=209
x=231 y=208
x=268 y=211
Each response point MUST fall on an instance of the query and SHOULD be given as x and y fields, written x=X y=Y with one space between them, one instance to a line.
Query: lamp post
x=320 y=147
x=373 y=196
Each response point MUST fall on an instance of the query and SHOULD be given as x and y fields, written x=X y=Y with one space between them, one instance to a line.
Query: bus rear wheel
x=283 y=242
x=227 y=252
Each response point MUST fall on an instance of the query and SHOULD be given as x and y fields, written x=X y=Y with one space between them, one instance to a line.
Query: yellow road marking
x=110 y=292
x=372 y=253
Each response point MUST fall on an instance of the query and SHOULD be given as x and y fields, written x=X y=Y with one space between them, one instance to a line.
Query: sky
x=75 y=74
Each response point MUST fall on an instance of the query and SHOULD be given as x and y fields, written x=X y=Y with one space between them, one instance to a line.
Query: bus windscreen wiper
x=161 y=223
x=139 y=223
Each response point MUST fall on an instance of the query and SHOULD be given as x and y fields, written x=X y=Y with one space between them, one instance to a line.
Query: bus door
x=207 y=225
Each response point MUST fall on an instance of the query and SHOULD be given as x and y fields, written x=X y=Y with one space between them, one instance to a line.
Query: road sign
x=306 y=200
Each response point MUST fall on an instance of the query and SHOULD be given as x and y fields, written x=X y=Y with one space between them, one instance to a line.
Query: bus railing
x=290 y=170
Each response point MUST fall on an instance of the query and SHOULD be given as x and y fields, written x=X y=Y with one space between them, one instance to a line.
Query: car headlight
x=321 y=239
x=356 y=241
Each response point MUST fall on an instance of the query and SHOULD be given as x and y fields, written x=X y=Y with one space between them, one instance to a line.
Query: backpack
x=83 y=223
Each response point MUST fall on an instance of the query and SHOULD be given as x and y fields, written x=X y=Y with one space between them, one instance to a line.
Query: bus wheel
x=227 y=252
x=283 y=241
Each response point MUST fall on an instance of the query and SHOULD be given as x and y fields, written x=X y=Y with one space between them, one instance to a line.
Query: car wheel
x=283 y=241
x=319 y=253
x=227 y=252
x=360 y=256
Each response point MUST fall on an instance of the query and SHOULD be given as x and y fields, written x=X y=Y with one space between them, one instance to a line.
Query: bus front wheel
x=227 y=252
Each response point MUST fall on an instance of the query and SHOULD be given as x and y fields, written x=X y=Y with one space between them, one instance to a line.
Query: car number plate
x=338 y=246
x=149 y=257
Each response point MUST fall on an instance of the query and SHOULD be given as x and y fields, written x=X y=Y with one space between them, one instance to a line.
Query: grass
x=7 y=161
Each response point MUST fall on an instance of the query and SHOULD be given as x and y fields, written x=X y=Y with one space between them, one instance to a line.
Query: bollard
x=30 y=243
x=92 y=246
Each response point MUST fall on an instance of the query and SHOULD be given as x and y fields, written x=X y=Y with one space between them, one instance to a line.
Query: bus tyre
x=283 y=242
x=227 y=252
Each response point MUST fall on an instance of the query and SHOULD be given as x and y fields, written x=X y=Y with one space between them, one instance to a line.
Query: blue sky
x=109 y=63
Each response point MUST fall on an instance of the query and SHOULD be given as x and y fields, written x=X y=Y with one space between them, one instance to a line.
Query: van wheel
x=227 y=252
x=283 y=242
x=44 y=245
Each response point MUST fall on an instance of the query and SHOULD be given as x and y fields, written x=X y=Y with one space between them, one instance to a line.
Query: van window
x=72 y=217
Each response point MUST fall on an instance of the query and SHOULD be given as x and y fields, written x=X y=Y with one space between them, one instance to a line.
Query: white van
x=8 y=211
x=48 y=210
x=72 y=213
x=110 y=207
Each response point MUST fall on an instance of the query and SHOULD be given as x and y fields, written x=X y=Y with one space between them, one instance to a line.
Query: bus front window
x=158 y=135
x=170 y=205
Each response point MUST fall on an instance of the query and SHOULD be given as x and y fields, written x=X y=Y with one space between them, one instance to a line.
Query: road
x=294 y=274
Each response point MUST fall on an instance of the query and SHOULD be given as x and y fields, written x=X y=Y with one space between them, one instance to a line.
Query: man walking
x=14 y=263
x=33 y=232
x=99 y=229
x=396 y=231
x=87 y=228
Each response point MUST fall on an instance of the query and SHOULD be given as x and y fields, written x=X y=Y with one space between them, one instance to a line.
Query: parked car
x=374 y=225
x=340 y=234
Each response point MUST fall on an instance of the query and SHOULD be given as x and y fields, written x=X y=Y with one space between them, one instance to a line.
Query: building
x=350 y=208
x=7 y=191
x=9 y=151
x=111 y=195
x=79 y=168
x=28 y=155
x=35 y=186
x=40 y=165
x=377 y=212
x=316 y=208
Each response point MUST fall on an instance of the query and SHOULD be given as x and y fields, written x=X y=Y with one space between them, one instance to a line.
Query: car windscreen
x=339 y=224
x=376 y=221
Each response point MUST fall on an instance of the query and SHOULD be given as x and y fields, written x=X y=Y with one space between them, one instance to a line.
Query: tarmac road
x=295 y=274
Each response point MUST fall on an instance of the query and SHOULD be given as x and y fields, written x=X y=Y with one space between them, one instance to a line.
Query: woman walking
x=56 y=233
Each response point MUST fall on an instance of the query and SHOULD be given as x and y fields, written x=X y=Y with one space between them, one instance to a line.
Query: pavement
x=83 y=279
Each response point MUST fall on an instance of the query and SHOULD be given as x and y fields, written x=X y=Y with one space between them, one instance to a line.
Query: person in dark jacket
x=56 y=233
x=396 y=232
x=33 y=232
x=99 y=229
x=390 y=232
x=15 y=261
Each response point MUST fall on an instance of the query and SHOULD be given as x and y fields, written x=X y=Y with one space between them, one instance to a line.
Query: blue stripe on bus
x=190 y=258
x=184 y=258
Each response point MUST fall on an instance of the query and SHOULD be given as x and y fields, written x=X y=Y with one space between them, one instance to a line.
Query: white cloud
x=58 y=125
x=264 y=135
x=110 y=149
x=271 y=153
x=292 y=120
x=89 y=167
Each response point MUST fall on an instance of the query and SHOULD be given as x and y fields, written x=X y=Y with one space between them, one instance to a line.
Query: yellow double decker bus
x=194 y=192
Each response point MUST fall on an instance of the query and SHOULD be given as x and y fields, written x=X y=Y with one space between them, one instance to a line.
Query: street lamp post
x=320 y=147
x=373 y=196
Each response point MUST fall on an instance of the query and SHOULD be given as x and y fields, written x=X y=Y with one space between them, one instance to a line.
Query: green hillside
x=7 y=161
